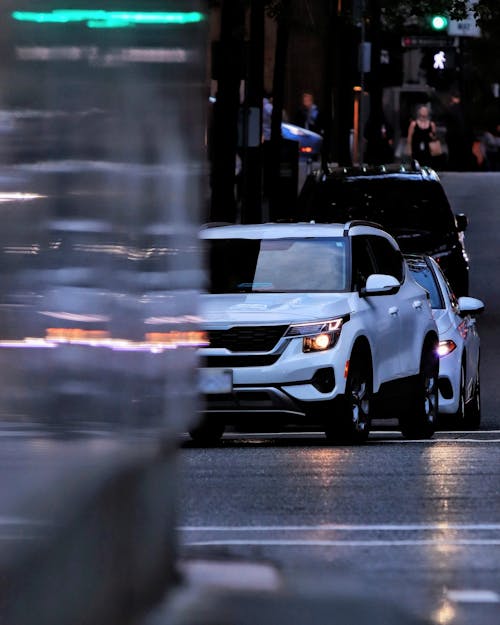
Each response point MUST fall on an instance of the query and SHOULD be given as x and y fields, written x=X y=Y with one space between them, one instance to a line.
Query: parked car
x=309 y=142
x=315 y=325
x=409 y=201
x=459 y=345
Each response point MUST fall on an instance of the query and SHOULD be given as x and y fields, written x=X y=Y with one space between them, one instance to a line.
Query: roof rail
x=361 y=222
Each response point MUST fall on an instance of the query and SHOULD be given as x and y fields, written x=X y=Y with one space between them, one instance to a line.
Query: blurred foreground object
x=101 y=181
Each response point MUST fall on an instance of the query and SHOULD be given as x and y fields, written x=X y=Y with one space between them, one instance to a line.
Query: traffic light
x=438 y=22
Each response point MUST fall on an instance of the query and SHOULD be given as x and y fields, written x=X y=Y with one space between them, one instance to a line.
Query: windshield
x=402 y=206
x=289 y=265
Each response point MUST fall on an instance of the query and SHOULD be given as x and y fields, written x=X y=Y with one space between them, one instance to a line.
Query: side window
x=452 y=296
x=388 y=259
x=362 y=264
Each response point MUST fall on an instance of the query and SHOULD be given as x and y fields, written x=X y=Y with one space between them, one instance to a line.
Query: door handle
x=417 y=304
x=393 y=310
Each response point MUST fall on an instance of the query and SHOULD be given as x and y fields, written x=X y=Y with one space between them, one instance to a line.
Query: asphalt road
x=415 y=522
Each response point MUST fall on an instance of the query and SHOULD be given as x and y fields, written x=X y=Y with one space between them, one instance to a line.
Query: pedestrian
x=267 y=113
x=459 y=137
x=421 y=131
x=379 y=140
x=490 y=144
x=308 y=115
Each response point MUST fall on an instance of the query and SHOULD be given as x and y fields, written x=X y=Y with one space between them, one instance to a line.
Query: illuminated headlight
x=445 y=348
x=319 y=336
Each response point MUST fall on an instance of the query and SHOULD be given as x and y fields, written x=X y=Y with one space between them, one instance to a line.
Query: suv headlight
x=317 y=336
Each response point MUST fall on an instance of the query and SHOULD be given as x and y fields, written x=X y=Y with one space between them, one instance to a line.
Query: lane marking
x=410 y=527
x=433 y=441
x=241 y=575
x=473 y=596
x=376 y=437
x=372 y=433
x=10 y=520
x=343 y=543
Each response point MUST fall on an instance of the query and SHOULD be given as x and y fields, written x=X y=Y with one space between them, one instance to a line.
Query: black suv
x=407 y=200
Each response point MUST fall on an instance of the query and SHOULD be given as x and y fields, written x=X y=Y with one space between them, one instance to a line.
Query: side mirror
x=470 y=306
x=380 y=284
x=462 y=222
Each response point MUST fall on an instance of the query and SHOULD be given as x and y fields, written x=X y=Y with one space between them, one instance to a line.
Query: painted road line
x=384 y=527
x=234 y=575
x=473 y=596
x=434 y=441
x=344 y=543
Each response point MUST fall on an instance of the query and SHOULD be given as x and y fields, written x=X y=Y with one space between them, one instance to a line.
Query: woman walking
x=420 y=133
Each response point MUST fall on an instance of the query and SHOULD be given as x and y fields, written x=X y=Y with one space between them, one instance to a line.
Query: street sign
x=426 y=41
x=466 y=27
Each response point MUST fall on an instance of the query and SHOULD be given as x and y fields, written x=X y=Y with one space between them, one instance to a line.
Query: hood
x=217 y=310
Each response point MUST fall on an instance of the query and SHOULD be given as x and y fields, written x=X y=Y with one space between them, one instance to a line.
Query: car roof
x=292 y=230
x=410 y=171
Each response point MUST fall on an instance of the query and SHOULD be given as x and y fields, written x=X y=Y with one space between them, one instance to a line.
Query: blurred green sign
x=109 y=19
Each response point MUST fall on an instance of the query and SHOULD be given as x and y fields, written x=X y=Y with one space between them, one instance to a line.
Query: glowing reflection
x=180 y=319
x=98 y=57
x=22 y=249
x=109 y=19
x=14 y=196
x=74 y=317
x=154 y=342
x=444 y=614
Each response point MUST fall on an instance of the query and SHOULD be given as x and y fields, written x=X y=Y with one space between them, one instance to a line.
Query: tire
x=208 y=432
x=351 y=421
x=420 y=421
x=473 y=407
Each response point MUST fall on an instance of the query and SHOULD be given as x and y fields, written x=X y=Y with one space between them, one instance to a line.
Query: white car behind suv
x=315 y=325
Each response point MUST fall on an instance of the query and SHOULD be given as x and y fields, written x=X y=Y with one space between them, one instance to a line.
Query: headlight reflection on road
x=445 y=614
x=15 y=196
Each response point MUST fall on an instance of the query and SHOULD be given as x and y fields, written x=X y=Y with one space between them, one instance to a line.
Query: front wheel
x=350 y=423
x=420 y=420
x=208 y=432
x=473 y=407
x=457 y=420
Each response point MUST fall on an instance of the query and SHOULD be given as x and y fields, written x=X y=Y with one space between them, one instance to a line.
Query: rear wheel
x=420 y=420
x=350 y=423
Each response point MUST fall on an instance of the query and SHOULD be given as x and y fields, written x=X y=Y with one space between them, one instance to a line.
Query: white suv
x=315 y=325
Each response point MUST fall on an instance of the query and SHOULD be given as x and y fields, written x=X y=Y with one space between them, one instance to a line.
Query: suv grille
x=247 y=338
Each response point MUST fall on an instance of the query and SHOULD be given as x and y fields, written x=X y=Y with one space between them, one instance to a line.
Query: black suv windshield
x=291 y=265
x=401 y=206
